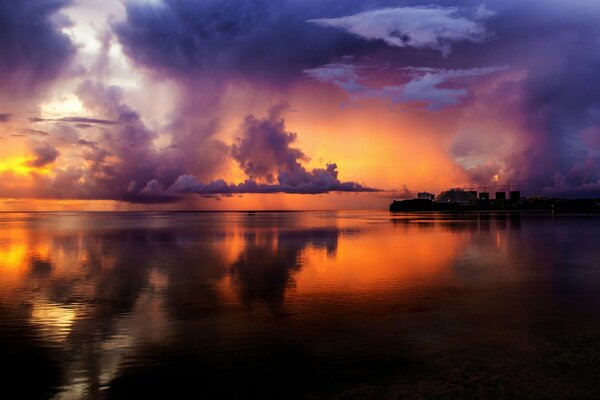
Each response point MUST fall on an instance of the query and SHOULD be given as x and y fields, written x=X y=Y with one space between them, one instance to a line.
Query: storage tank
x=456 y=196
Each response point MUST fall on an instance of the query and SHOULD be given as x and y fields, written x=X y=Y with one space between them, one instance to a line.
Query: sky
x=294 y=104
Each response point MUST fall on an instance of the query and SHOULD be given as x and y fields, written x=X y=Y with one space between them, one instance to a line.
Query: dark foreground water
x=325 y=305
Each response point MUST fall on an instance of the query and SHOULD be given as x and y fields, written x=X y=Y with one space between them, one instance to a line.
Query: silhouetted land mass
x=529 y=204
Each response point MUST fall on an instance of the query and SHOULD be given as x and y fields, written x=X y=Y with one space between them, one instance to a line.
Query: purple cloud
x=77 y=120
x=122 y=162
x=35 y=132
x=265 y=153
x=315 y=181
x=265 y=147
x=440 y=53
x=32 y=48
x=45 y=154
x=425 y=86
x=188 y=38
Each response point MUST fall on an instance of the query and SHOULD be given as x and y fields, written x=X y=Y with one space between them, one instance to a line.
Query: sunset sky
x=294 y=104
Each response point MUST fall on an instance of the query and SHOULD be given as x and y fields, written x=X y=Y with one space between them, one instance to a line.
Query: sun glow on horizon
x=21 y=165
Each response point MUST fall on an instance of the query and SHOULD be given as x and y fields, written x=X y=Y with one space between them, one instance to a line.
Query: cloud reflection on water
x=289 y=304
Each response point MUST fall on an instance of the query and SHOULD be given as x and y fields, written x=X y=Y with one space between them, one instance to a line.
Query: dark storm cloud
x=269 y=43
x=562 y=104
x=45 y=154
x=258 y=39
x=275 y=41
x=32 y=48
x=555 y=43
x=558 y=45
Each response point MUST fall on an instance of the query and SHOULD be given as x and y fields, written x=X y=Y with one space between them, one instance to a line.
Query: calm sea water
x=349 y=305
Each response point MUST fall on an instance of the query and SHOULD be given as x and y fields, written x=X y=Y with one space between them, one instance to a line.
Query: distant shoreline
x=525 y=204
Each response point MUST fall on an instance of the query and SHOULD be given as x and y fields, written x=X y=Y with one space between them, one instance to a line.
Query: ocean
x=300 y=305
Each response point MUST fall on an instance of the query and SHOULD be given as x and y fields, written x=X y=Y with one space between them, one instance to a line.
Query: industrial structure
x=458 y=196
x=470 y=195
x=505 y=197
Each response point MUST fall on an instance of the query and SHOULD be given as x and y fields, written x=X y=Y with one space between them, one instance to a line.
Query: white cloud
x=419 y=27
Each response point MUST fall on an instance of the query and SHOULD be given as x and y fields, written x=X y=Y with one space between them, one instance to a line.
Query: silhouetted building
x=484 y=196
x=457 y=196
x=460 y=200
x=515 y=195
x=425 y=196
x=473 y=192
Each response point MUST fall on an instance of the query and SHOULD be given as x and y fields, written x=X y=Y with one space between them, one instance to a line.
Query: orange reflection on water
x=14 y=251
x=387 y=259
x=110 y=290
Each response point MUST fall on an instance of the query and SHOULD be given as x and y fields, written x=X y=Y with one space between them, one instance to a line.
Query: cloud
x=45 y=154
x=430 y=27
x=33 y=51
x=265 y=147
x=372 y=50
x=430 y=88
x=35 y=132
x=123 y=151
x=5 y=117
x=315 y=181
x=265 y=153
x=555 y=100
x=122 y=162
x=475 y=145
x=402 y=192
x=187 y=38
x=426 y=86
x=77 y=120
x=485 y=174
x=482 y=12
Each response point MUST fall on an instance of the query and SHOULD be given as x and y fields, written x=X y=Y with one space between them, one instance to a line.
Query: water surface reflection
x=297 y=305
